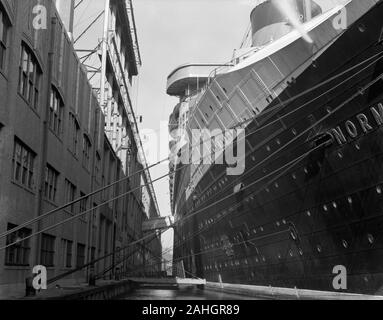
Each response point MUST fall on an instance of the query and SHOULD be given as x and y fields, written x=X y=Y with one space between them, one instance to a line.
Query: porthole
x=300 y=252
x=319 y=248
x=349 y=199
x=278 y=224
x=294 y=132
x=362 y=28
x=256 y=260
x=291 y=253
x=276 y=185
x=268 y=148
x=267 y=190
x=254 y=231
x=294 y=176
x=345 y=244
x=340 y=155
x=278 y=141
x=334 y=204
x=308 y=213
x=293 y=235
x=370 y=238
x=379 y=190
x=261 y=229
x=325 y=208
x=279 y=256
x=253 y=158
x=357 y=146
x=263 y=259
x=329 y=110
x=284 y=221
x=305 y=170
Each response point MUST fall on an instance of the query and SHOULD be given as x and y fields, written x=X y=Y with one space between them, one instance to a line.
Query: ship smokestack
x=65 y=9
x=286 y=7
x=272 y=19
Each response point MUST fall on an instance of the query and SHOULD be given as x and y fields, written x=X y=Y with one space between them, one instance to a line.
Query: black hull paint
x=292 y=230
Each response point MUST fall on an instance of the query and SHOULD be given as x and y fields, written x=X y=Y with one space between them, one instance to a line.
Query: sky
x=171 y=33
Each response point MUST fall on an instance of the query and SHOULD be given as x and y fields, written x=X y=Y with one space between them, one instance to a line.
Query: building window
x=47 y=250
x=4 y=27
x=83 y=206
x=29 y=77
x=97 y=167
x=18 y=254
x=83 y=202
x=51 y=179
x=74 y=129
x=66 y=253
x=23 y=164
x=86 y=152
x=56 y=112
x=70 y=194
x=80 y=255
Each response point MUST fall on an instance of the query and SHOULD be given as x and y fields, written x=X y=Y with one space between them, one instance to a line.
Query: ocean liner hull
x=312 y=189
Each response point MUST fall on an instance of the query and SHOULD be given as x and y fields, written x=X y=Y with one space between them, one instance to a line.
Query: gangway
x=158 y=224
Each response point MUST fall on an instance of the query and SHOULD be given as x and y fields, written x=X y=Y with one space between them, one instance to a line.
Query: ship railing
x=223 y=69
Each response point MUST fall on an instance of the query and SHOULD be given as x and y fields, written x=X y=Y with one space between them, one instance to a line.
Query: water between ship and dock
x=189 y=293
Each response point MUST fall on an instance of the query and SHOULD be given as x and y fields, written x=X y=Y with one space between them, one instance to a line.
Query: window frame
x=82 y=256
x=86 y=151
x=75 y=130
x=51 y=183
x=66 y=253
x=70 y=195
x=5 y=27
x=56 y=112
x=19 y=251
x=26 y=167
x=29 y=79
x=47 y=250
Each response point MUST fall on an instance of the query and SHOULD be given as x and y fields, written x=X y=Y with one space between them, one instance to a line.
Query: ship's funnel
x=65 y=9
x=287 y=8
x=272 y=19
